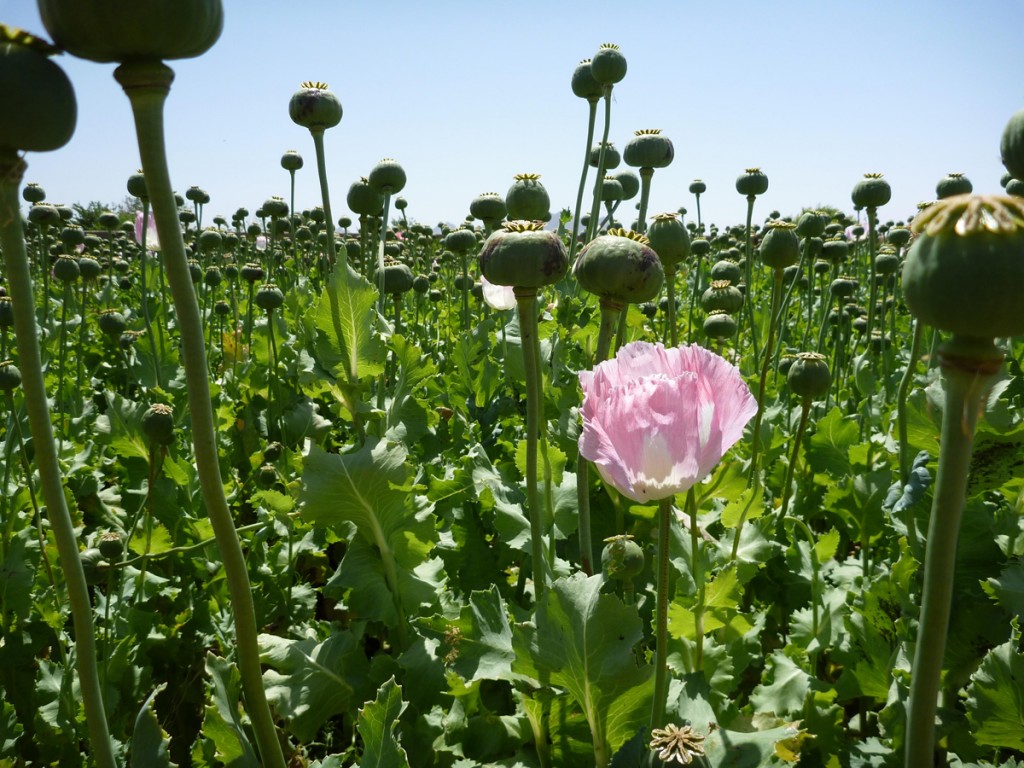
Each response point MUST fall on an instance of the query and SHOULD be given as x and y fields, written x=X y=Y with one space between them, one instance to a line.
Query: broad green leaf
x=150 y=743
x=742 y=507
x=787 y=690
x=995 y=696
x=826 y=546
x=376 y=726
x=477 y=645
x=583 y=641
x=345 y=318
x=555 y=457
x=10 y=729
x=1008 y=589
x=222 y=723
x=308 y=682
x=829 y=446
x=121 y=427
x=16 y=580
x=406 y=417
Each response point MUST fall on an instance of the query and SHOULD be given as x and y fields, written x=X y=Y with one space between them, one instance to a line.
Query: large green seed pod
x=620 y=266
x=10 y=376
x=269 y=297
x=387 y=177
x=158 y=424
x=291 y=160
x=871 y=192
x=630 y=183
x=397 y=278
x=583 y=83
x=622 y=558
x=526 y=199
x=315 y=106
x=649 y=149
x=460 y=240
x=953 y=184
x=810 y=224
x=611 y=190
x=898 y=236
x=965 y=271
x=780 y=247
x=752 y=182
x=698 y=187
x=726 y=269
x=364 y=200
x=1011 y=146
x=524 y=255
x=608 y=65
x=835 y=250
x=488 y=207
x=669 y=239
x=722 y=294
x=612 y=157
x=719 y=324
x=33 y=193
x=887 y=262
x=39 y=111
x=131 y=30
x=809 y=376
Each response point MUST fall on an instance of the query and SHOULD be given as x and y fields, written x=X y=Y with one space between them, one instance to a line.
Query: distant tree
x=87 y=216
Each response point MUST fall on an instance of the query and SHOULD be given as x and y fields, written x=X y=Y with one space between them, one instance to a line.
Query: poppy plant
x=656 y=421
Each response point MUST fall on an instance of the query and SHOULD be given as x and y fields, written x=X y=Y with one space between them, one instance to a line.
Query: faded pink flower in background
x=656 y=421
x=152 y=238
x=500 y=297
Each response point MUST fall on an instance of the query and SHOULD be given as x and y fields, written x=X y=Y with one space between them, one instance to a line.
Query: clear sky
x=465 y=94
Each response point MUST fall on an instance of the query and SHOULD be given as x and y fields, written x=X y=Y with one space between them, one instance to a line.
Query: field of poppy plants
x=561 y=486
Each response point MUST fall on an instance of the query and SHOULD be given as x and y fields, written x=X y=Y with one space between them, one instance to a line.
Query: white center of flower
x=657 y=468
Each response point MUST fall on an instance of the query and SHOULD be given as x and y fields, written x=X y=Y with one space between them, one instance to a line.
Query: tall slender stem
x=901 y=402
x=968 y=366
x=19 y=282
x=698 y=580
x=595 y=210
x=661 y=615
x=325 y=196
x=592 y=120
x=147 y=86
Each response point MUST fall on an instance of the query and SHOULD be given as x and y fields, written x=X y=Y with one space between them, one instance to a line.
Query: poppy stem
x=574 y=244
x=661 y=615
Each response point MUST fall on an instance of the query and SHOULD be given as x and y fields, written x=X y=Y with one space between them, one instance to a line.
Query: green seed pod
x=291 y=161
x=269 y=297
x=65 y=269
x=128 y=30
x=93 y=565
x=722 y=295
x=387 y=177
x=752 y=182
x=669 y=239
x=421 y=284
x=898 y=236
x=44 y=215
x=315 y=107
x=112 y=323
x=210 y=239
x=649 y=149
x=608 y=65
x=622 y=558
x=397 y=278
x=727 y=269
x=887 y=262
x=953 y=184
x=195 y=271
x=1011 y=145
x=583 y=83
x=222 y=308
x=364 y=200
x=822 y=267
x=1015 y=188
x=612 y=158
x=700 y=247
x=965 y=271
x=611 y=190
x=488 y=208
x=835 y=250
x=844 y=286
x=33 y=193
x=40 y=109
x=252 y=272
x=780 y=247
x=620 y=266
x=630 y=183
x=526 y=199
x=72 y=236
x=212 y=277
x=809 y=376
x=158 y=424
x=275 y=207
x=435 y=296
x=810 y=224
x=10 y=376
x=111 y=546
x=719 y=324
x=461 y=240
x=523 y=254
x=649 y=309
x=871 y=192
x=698 y=187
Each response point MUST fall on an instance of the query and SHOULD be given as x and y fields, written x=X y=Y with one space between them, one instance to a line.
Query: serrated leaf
x=742 y=507
x=828 y=448
x=406 y=417
x=121 y=427
x=222 y=723
x=826 y=546
x=1008 y=589
x=150 y=742
x=376 y=726
x=995 y=696
x=345 y=317
x=788 y=689
x=308 y=682
x=477 y=645
x=584 y=641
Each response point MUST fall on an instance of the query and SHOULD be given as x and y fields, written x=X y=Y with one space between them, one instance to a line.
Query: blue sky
x=466 y=94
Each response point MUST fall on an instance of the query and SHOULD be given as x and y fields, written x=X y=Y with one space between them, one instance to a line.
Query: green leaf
x=376 y=725
x=478 y=645
x=222 y=723
x=308 y=682
x=995 y=696
x=406 y=418
x=1008 y=589
x=345 y=317
x=121 y=427
x=788 y=689
x=15 y=580
x=150 y=743
x=828 y=448
x=583 y=640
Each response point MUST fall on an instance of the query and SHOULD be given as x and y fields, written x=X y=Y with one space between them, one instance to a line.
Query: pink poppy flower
x=152 y=238
x=500 y=297
x=656 y=421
